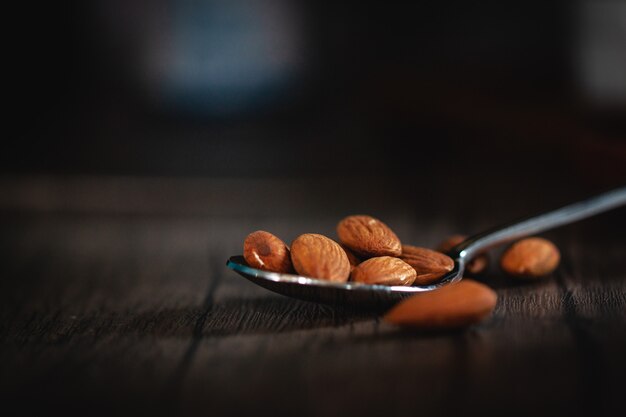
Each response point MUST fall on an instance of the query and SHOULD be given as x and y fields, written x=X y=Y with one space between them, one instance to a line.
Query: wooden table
x=115 y=300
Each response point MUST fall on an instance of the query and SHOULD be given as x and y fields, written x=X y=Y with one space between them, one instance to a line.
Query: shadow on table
x=277 y=314
x=282 y=315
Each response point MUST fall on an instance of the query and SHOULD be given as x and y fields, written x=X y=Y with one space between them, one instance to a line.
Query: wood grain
x=111 y=307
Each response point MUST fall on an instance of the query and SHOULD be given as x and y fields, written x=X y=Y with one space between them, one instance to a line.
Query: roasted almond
x=317 y=256
x=429 y=265
x=265 y=251
x=476 y=265
x=533 y=257
x=451 y=306
x=384 y=270
x=368 y=236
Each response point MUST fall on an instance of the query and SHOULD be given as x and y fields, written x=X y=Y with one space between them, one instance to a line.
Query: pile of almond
x=368 y=251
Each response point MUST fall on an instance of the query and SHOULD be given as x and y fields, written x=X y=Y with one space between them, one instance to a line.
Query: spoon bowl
x=382 y=296
x=352 y=294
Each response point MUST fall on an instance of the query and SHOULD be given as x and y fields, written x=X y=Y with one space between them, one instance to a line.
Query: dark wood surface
x=115 y=299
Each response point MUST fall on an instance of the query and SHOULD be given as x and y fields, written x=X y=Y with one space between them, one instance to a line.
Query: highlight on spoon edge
x=237 y=264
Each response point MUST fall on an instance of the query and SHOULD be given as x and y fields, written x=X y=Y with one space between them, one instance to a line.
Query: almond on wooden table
x=532 y=257
x=368 y=236
x=476 y=265
x=429 y=265
x=452 y=306
x=265 y=251
x=317 y=256
x=384 y=270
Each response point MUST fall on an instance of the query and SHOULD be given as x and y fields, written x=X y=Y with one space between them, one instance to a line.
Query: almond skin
x=317 y=256
x=368 y=236
x=429 y=265
x=452 y=306
x=476 y=265
x=265 y=251
x=533 y=257
x=384 y=270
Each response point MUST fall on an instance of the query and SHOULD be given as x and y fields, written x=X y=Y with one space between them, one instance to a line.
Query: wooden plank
x=102 y=310
x=124 y=310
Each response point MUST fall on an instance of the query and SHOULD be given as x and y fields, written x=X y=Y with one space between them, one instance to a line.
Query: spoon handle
x=539 y=223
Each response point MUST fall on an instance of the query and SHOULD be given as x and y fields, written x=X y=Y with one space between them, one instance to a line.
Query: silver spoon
x=366 y=295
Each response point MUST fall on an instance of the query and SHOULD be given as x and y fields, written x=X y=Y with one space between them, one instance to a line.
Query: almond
x=368 y=236
x=451 y=306
x=429 y=265
x=474 y=266
x=533 y=257
x=384 y=270
x=317 y=256
x=265 y=251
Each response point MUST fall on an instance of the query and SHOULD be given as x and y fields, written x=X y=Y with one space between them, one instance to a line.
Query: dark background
x=309 y=89
x=145 y=139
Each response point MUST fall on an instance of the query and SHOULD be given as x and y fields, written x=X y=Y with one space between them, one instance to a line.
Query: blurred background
x=278 y=88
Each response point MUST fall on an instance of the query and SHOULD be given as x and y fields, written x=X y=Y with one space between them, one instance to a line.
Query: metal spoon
x=365 y=295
